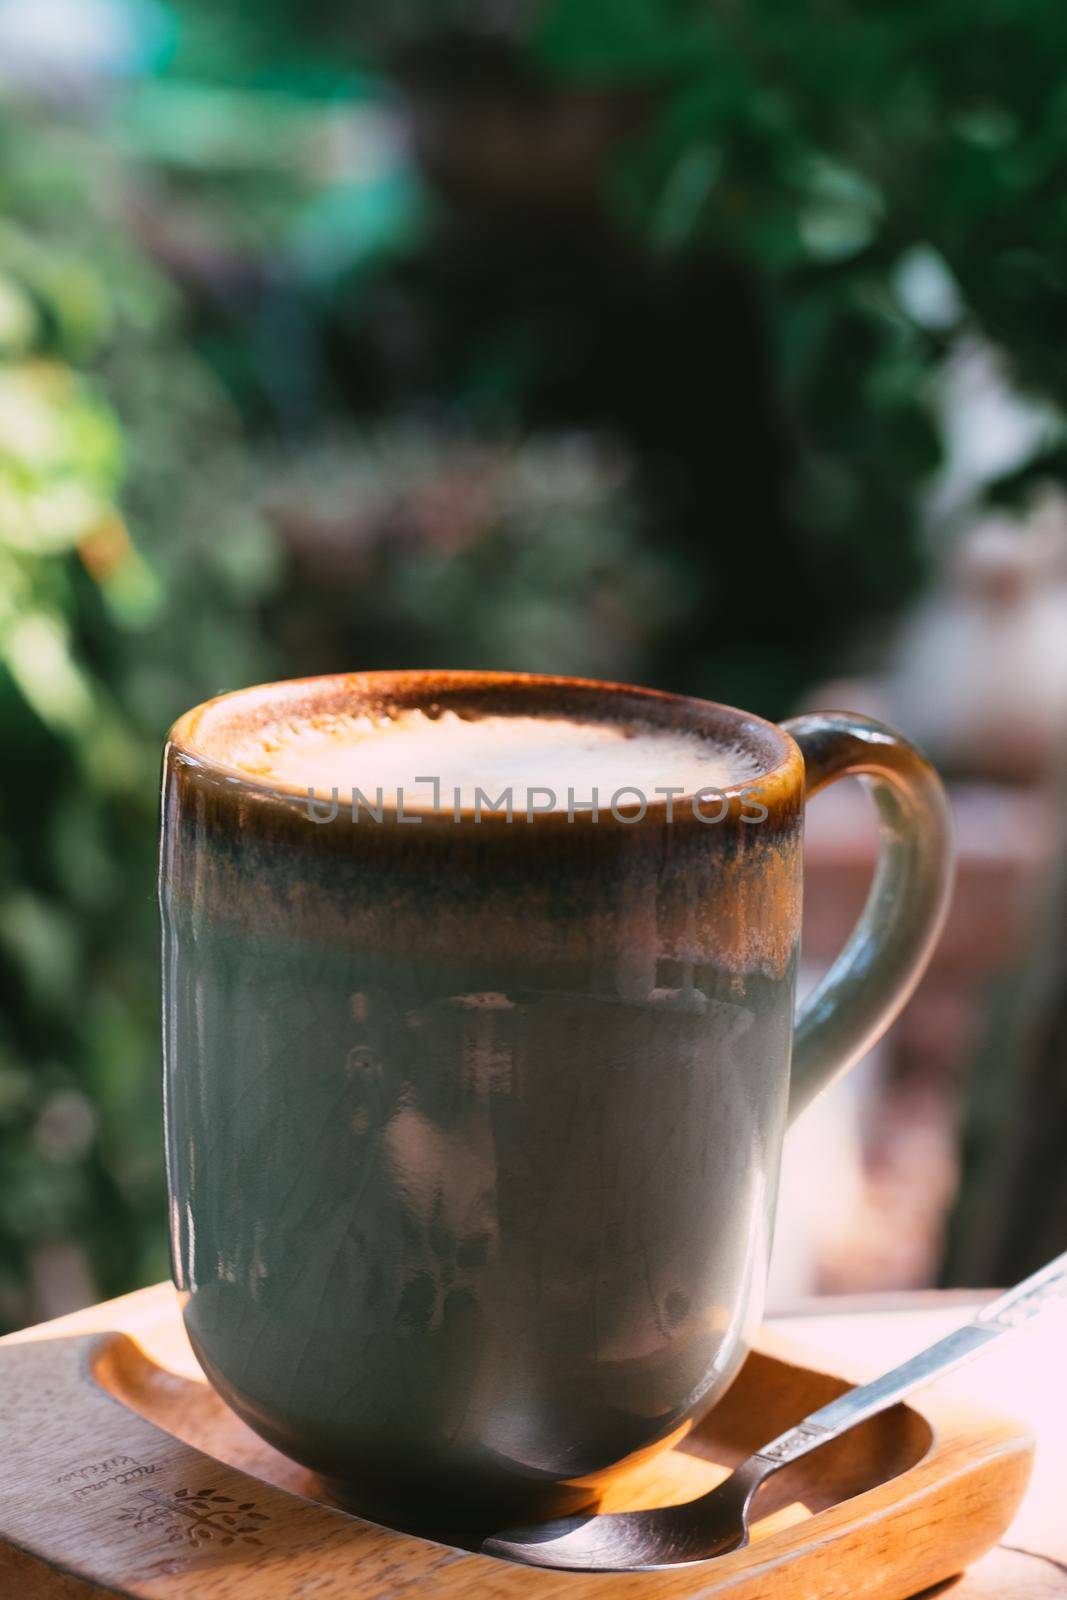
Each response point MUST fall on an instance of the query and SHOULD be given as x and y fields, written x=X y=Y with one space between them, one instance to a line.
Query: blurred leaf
x=42 y=943
x=18 y=319
x=36 y=648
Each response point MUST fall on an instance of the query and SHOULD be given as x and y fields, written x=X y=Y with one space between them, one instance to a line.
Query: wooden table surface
x=1024 y=1375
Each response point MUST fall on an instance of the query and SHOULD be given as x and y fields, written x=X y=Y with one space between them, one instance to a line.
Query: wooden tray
x=123 y=1473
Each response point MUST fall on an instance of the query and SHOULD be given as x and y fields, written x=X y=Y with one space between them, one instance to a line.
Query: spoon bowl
x=711 y=1526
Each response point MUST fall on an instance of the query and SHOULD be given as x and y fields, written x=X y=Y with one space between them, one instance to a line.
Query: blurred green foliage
x=253 y=420
x=895 y=172
x=119 y=605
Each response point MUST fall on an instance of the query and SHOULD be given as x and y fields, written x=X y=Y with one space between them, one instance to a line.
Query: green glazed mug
x=473 y=1127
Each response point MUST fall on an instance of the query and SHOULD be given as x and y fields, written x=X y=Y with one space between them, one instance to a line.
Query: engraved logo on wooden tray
x=113 y=1472
x=195 y=1517
x=188 y=1517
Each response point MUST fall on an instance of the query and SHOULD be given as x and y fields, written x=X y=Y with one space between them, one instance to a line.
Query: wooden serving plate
x=122 y=1472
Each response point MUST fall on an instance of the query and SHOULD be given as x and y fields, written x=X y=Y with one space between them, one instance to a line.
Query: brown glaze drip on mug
x=550 y=888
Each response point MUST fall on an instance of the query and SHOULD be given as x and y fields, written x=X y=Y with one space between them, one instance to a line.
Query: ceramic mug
x=473 y=1128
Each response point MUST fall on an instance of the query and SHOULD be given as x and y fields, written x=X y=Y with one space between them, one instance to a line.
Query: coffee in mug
x=449 y=759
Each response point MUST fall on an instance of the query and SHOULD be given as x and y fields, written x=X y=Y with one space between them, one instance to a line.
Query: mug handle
x=893 y=940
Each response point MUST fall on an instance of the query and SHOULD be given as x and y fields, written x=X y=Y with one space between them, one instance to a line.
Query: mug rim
x=780 y=766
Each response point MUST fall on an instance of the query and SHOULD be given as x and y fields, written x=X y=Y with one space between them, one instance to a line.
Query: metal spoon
x=717 y=1522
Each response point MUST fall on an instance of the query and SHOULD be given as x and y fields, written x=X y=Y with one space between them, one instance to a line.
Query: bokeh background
x=715 y=347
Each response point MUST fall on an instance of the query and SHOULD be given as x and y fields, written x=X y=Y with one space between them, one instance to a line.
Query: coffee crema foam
x=445 y=759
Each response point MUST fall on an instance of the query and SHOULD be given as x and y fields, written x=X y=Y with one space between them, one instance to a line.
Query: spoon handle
x=1000 y=1316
